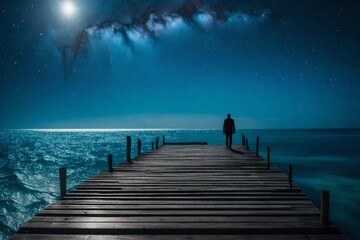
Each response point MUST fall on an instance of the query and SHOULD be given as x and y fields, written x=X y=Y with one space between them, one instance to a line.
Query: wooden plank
x=183 y=189
x=182 y=202
x=206 y=184
x=150 y=212
x=234 y=219
x=179 y=198
x=179 y=237
x=178 y=228
x=178 y=207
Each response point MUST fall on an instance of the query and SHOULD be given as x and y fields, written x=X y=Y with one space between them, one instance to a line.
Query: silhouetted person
x=229 y=130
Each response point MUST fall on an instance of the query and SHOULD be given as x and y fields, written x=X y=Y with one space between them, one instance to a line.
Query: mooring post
x=325 y=207
x=139 y=146
x=247 y=144
x=152 y=145
x=157 y=142
x=164 y=140
x=62 y=175
x=128 y=148
x=268 y=157
x=243 y=139
x=257 y=146
x=110 y=162
x=290 y=176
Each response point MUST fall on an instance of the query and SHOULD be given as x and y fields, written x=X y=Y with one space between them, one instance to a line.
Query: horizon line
x=159 y=129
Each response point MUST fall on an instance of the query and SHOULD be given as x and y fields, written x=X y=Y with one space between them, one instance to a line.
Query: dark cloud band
x=155 y=19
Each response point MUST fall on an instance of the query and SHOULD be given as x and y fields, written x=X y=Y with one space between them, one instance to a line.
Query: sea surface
x=30 y=159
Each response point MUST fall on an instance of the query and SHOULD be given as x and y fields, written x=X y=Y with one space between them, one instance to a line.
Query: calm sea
x=29 y=162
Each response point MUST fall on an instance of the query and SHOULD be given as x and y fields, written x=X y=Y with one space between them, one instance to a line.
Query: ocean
x=30 y=159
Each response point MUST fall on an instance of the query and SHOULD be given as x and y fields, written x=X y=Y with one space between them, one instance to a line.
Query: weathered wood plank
x=182 y=202
x=233 y=219
x=178 y=228
x=151 y=212
x=179 y=198
x=179 y=207
x=179 y=237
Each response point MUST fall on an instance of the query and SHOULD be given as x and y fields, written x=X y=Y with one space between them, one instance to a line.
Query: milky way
x=153 y=20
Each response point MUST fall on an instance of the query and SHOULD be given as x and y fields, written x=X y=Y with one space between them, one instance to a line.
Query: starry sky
x=179 y=63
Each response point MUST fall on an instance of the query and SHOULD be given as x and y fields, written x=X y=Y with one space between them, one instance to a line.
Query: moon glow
x=68 y=8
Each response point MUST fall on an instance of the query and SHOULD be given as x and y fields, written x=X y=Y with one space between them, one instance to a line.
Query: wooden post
x=290 y=177
x=128 y=148
x=139 y=146
x=247 y=144
x=157 y=142
x=325 y=207
x=62 y=175
x=110 y=162
x=268 y=157
x=257 y=146
x=152 y=145
x=164 y=140
x=243 y=139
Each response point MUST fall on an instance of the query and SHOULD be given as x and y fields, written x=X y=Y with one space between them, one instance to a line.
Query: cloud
x=144 y=23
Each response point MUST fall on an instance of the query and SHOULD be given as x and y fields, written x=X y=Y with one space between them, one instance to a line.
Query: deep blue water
x=29 y=162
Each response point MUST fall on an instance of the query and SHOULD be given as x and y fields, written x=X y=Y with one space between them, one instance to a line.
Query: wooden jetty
x=185 y=191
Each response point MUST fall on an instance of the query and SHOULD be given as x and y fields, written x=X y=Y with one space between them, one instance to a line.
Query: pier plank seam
x=184 y=191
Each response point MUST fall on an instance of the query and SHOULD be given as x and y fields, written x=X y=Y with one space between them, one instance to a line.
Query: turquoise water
x=29 y=162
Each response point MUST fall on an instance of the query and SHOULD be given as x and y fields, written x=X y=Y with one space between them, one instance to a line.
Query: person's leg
x=227 y=141
x=230 y=140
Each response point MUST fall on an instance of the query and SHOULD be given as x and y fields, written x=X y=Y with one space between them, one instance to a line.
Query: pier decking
x=184 y=192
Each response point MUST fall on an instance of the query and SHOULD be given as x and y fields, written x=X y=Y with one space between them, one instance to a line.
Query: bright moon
x=68 y=9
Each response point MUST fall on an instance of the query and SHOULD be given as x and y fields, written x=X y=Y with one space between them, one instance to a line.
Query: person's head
x=229 y=115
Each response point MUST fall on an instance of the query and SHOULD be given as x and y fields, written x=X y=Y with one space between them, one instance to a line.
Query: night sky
x=179 y=63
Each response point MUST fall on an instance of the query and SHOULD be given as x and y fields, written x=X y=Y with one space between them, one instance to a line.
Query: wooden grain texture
x=184 y=191
x=181 y=237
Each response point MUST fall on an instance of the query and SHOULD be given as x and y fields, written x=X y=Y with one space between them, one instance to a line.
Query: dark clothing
x=228 y=137
x=229 y=126
x=229 y=129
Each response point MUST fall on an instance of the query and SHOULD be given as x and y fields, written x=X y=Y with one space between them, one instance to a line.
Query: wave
x=29 y=163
